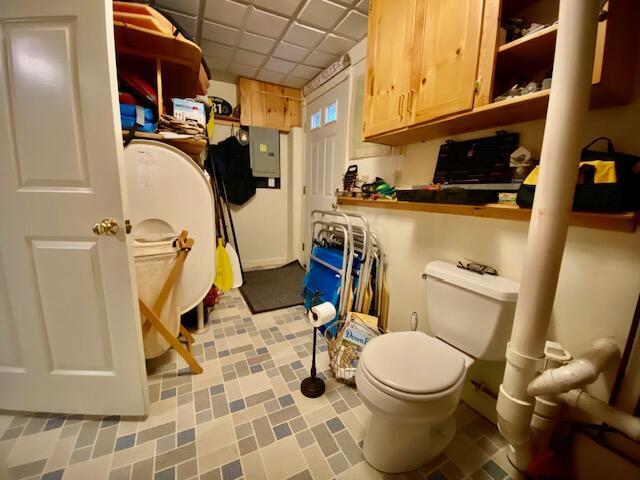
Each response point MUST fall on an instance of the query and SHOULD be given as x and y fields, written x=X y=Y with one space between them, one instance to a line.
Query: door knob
x=107 y=226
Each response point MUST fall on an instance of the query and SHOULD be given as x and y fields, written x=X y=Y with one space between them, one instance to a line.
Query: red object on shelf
x=138 y=87
x=126 y=97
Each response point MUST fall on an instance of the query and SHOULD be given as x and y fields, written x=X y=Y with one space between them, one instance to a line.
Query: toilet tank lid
x=500 y=288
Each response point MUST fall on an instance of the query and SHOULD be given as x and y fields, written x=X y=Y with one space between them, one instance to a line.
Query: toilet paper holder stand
x=313 y=386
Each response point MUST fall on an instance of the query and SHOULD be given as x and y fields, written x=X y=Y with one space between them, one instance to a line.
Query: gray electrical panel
x=264 y=145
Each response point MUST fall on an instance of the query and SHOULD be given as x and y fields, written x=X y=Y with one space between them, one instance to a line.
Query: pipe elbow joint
x=576 y=374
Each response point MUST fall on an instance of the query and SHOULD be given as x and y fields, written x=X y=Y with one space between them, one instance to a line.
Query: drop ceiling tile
x=290 y=52
x=225 y=77
x=243 y=70
x=363 y=6
x=295 y=82
x=303 y=36
x=216 y=50
x=280 y=41
x=321 y=13
x=226 y=12
x=190 y=7
x=335 y=44
x=305 y=72
x=319 y=59
x=283 y=7
x=265 y=23
x=185 y=21
x=220 y=34
x=354 y=25
x=256 y=43
x=248 y=58
x=215 y=64
x=271 y=77
x=281 y=66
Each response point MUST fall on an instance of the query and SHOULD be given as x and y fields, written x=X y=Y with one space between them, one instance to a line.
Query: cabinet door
x=447 y=42
x=388 y=65
x=268 y=105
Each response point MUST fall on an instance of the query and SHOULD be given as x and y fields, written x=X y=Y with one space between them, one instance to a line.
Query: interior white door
x=325 y=152
x=70 y=338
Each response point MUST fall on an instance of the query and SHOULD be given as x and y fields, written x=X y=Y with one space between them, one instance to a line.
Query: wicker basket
x=342 y=361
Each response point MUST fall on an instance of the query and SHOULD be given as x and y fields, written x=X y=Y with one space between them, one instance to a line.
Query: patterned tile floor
x=244 y=417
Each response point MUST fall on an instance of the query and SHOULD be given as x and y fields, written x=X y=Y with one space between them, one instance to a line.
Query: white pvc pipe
x=568 y=106
x=577 y=373
x=627 y=424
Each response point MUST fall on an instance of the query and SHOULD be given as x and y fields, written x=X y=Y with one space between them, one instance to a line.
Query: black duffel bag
x=607 y=181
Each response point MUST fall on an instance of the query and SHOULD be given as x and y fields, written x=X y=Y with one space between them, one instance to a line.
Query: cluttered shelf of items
x=161 y=78
x=495 y=177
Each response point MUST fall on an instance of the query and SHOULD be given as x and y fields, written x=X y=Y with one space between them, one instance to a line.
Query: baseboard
x=264 y=264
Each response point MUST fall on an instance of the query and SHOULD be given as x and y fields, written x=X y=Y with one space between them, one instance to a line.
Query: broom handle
x=233 y=230
x=225 y=236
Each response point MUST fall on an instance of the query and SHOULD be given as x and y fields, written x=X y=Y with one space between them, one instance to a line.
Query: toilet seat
x=412 y=366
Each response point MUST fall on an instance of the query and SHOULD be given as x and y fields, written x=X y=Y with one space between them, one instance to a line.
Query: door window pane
x=331 y=113
x=316 y=119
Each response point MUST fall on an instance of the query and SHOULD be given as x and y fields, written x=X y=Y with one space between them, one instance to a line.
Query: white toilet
x=412 y=382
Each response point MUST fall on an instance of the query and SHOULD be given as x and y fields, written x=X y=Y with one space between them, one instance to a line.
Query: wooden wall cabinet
x=422 y=61
x=457 y=66
x=447 y=38
x=389 y=58
x=268 y=105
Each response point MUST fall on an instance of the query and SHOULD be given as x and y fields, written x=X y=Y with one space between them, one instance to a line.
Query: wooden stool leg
x=173 y=341
x=187 y=334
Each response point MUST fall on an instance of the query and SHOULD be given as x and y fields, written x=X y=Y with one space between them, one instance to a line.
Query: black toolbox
x=459 y=196
x=481 y=160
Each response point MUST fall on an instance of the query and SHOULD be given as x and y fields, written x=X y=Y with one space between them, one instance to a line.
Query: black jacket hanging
x=233 y=166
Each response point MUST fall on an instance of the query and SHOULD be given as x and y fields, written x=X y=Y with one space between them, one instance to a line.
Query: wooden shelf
x=536 y=49
x=506 y=112
x=191 y=146
x=621 y=222
x=230 y=121
x=533 y=41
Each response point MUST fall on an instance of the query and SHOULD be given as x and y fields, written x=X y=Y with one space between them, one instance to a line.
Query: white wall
x=263 y=224
x=600 y=277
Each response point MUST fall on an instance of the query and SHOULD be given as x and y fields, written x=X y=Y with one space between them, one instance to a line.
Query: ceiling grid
x=280 y=41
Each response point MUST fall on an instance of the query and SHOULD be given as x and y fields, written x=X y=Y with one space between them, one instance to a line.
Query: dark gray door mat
x=266 y=290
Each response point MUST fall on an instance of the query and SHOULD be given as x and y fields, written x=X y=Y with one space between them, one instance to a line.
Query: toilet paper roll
x=324 y=313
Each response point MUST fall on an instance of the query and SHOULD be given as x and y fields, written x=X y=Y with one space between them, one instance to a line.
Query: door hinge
x=477 y=84
x=304 y=189
x=127 y=226
x=303 y=246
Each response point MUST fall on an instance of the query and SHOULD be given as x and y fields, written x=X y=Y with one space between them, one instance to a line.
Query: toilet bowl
x=412 y=381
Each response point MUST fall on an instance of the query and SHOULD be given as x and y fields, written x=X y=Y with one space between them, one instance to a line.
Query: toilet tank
x=470 y=311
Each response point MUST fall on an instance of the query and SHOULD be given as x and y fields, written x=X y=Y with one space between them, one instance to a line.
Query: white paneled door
x=69 y=325
x=325 y=152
